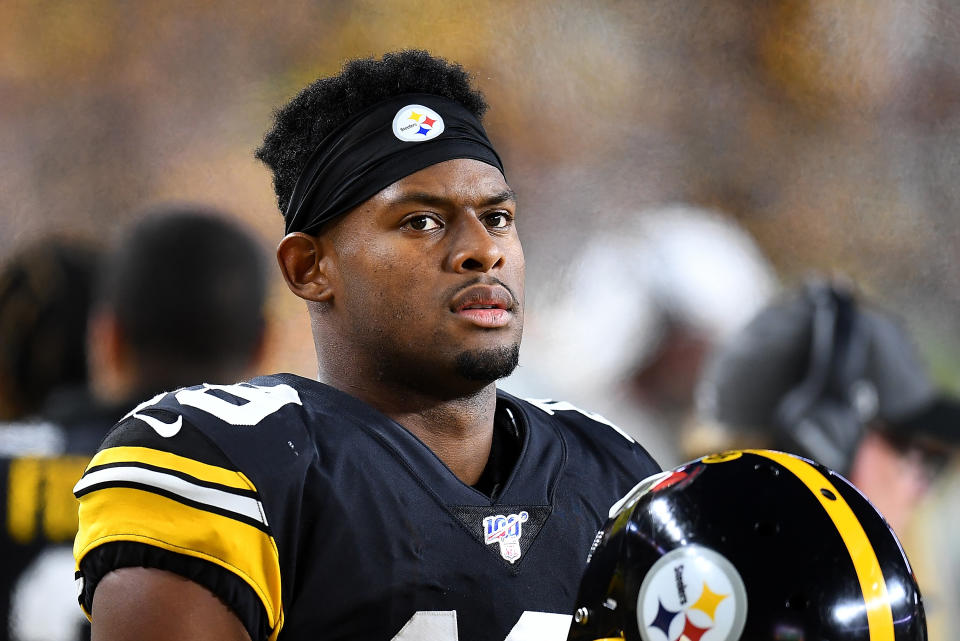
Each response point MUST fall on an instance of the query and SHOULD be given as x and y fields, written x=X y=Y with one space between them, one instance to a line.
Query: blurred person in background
x=179 y=299
x=638 y=309
x=823 y=374
x=931 y=537
x=45 y=295
x=46 y=290
x=400 y=495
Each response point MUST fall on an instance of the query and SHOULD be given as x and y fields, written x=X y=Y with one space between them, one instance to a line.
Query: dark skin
x=383 y=283
x=145 y=604
x=400 y=290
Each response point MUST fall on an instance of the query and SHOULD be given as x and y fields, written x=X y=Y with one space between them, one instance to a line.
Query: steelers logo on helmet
x=691 y=592
x=416 y=123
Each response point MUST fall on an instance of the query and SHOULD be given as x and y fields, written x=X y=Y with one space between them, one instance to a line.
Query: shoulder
x=196 y=482
x=225 y=449
x=244 y=404
x=585 y=432
x=567 y=415
x=266 y=408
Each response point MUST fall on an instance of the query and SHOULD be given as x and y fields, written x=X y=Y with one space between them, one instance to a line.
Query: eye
x=422 y=222
x=498 y=219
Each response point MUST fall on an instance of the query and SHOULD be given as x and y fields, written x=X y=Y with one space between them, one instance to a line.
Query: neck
x=451 y=415
x=457 y=427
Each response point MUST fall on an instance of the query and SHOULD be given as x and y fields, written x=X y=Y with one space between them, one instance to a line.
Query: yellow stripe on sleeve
x=126 y=514
x=872 y=583
x=112 y=514
x=196 y=469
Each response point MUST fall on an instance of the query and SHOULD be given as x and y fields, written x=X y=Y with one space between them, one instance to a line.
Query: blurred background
x=826 y=130
x=678 y=163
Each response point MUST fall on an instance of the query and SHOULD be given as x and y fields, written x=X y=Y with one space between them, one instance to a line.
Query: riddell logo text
x=681 y=587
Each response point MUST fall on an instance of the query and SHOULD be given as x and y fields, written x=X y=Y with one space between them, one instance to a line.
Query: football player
x=46 y=289
x=400 y=496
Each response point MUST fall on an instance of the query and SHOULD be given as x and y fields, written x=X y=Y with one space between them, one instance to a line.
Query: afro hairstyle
x=325 y=104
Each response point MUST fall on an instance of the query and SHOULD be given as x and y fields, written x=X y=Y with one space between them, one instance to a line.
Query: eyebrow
x=507 y=195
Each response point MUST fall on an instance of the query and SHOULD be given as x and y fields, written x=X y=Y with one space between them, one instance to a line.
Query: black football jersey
x=39 y=519
x=314 y=516
x=41 y=460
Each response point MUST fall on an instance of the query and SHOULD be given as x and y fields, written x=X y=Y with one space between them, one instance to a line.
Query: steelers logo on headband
x=373 y=150
x=416 y=123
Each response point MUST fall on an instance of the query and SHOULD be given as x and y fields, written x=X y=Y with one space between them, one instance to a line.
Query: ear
x=305 y=264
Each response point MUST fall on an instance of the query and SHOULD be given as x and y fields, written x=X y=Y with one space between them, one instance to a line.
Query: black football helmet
x=755 y=545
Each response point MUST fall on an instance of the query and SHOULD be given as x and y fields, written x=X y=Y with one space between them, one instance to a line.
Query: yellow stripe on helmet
x=872 y=583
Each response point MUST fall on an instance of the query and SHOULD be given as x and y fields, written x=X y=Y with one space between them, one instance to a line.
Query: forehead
x=458 y=180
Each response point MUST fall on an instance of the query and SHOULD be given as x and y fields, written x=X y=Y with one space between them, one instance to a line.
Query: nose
x=473 y=248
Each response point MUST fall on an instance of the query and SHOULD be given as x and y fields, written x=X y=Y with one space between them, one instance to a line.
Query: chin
x=488 y=364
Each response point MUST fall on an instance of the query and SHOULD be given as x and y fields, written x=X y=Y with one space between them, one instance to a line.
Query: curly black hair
x=318 y=109
x=46 y=292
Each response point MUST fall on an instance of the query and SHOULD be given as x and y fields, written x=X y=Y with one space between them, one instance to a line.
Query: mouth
x=485 y=306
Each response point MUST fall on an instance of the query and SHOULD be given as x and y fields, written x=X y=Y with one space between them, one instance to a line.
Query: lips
x=484 y=305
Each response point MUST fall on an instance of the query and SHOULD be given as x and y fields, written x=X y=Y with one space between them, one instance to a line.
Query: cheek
x=382 y=287
x=366 y=264
x=516 y=260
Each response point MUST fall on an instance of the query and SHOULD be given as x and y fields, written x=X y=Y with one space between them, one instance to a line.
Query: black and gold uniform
x=314 y=516
x=39 y=519
x=41 y=460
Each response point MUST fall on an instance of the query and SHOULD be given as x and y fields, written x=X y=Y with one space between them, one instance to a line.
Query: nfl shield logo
x=506 y=531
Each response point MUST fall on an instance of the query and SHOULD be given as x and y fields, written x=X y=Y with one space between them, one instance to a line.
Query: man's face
x=428 y=277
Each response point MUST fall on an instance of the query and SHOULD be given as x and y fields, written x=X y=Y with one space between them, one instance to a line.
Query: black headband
x=378 y=147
